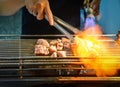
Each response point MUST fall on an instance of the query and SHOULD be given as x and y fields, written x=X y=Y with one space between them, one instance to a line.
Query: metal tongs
x=58 y=23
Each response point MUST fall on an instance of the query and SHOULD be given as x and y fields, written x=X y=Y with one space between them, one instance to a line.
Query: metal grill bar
x=19 y=63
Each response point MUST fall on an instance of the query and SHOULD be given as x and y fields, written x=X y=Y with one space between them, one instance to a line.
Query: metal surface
x=62 y=29
x=65 y=24
x=19 y=63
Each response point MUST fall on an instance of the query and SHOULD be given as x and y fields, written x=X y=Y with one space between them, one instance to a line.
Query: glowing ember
x=97 y=52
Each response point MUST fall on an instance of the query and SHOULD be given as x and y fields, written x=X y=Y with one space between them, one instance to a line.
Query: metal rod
x=90 y=79
x=65 y=24
x=62 y=30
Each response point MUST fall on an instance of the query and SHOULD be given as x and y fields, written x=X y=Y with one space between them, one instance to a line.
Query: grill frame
x=18 y=62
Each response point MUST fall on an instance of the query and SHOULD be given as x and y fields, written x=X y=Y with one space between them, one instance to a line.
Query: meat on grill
x=54 y=54
x=61 y=53
x=41 y=49
x=53 y=42
x=54 y=48
x=43 y=42
x=59 y=45
x=66 y=43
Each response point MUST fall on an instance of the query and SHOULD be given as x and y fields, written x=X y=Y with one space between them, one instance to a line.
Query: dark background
x=67 y=10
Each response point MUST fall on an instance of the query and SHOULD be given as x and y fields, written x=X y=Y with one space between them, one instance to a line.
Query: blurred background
x=109 y=19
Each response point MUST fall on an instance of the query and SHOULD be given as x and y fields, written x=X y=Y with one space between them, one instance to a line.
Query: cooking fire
x=97 y=51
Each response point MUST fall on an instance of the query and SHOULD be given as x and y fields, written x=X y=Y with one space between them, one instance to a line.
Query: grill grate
x=18 y=63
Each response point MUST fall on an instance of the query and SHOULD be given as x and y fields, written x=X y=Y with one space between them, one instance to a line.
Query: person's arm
x=10 y=7
x=38 y=8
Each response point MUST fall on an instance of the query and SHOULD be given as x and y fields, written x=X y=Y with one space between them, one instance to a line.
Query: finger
x=34 y=11
x=49 y=14
x=40 y=10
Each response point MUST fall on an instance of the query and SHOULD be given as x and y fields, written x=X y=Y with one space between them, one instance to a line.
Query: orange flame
x=97 y=52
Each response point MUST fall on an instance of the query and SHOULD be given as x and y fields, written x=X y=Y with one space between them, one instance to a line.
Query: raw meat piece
x=43 y=42
x=61 y=53
x=41 y=50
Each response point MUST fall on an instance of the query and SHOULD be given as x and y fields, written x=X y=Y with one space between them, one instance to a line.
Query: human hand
x=95 y=5
x=40 y=8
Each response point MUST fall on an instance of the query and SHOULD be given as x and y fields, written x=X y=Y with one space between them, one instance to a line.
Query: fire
x=96 y=52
